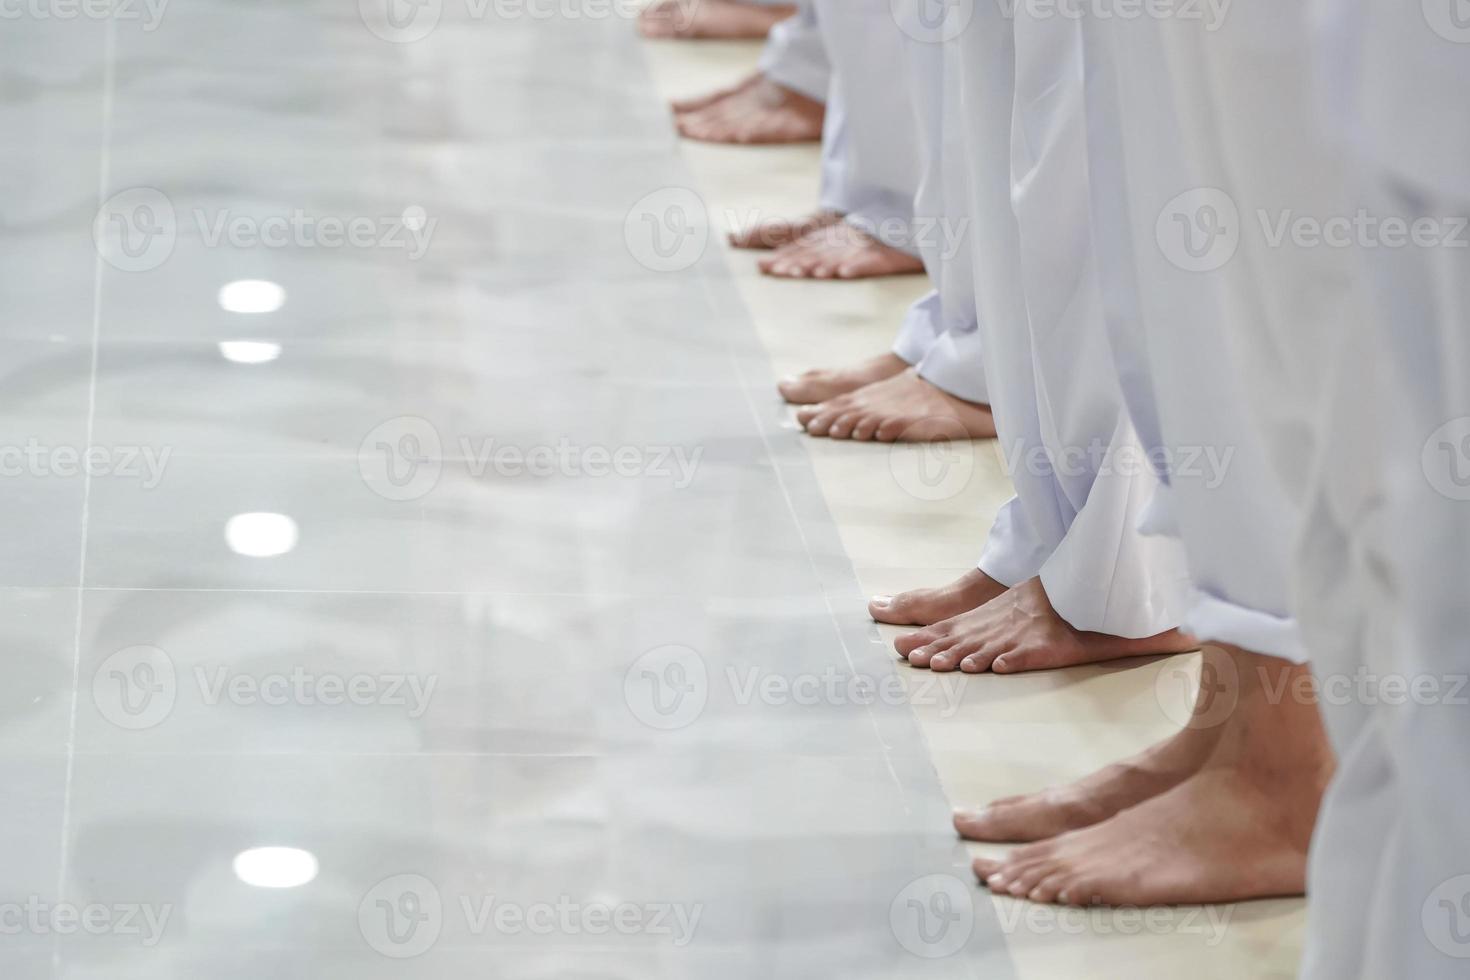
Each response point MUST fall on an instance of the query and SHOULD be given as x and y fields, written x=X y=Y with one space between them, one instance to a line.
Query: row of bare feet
x=819 y=246
x=882 y=399
x=1221 y=812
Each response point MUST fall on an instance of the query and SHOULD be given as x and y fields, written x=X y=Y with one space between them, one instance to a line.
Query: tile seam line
x=104 y=176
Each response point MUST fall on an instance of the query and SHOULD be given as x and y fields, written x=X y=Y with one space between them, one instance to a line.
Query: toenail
x=996 y=880
x=883 y=600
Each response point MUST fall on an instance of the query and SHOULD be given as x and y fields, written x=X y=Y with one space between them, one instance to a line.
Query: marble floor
x=409 y=569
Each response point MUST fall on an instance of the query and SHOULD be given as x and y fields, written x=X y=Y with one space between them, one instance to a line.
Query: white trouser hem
x=1213 y=619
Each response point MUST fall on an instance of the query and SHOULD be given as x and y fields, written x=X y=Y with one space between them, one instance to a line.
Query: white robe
x=1390 y=869
x=940 y=335
x=894 y=162
x=1200 y=142
x=849 y=53
x=795 y=57
x=1074 y=458
x=1347 y=397
x=881 y=163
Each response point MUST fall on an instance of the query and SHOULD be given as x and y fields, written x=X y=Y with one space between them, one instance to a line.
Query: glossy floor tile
x=409 y=571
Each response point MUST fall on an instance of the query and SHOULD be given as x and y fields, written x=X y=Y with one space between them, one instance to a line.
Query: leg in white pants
x=1218 y=332
x=833 y=51
x=866 y=48
x=1215 y=350
x=1058 y=407
x=900 y=137
x=795 y=56
x=939 y=335
x=1390 y=874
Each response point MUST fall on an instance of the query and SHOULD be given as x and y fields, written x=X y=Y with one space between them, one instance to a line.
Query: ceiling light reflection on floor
x=261 y=535
x=276 y=867
x=252 y=296
x=249 y=351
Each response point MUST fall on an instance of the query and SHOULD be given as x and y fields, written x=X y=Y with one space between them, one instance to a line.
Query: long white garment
x=939 y=335
x=917 y=182
x=881 y=140
x=849 y=54
x=1218 y=328
x=795 y=57
x=1390 y=870
x=1074 y=458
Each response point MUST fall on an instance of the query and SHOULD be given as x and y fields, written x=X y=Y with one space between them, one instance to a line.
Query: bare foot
x=1237 y=829
x=818 y=385
x=1019 y=631
x=759 y=111
x=700 y=101
x=1217 y=837
x=723 y=20
x=839 y=251
x=920 y=607
x=1095 y=798
x=781 y=231
x=903 y=408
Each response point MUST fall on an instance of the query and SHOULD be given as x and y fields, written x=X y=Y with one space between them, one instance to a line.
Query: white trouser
x=847 y=53
x=795 y=57
x=939 y=334
x=881 y=165
x=1218 y=329
x=1390 y=869
x=1073 y=456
